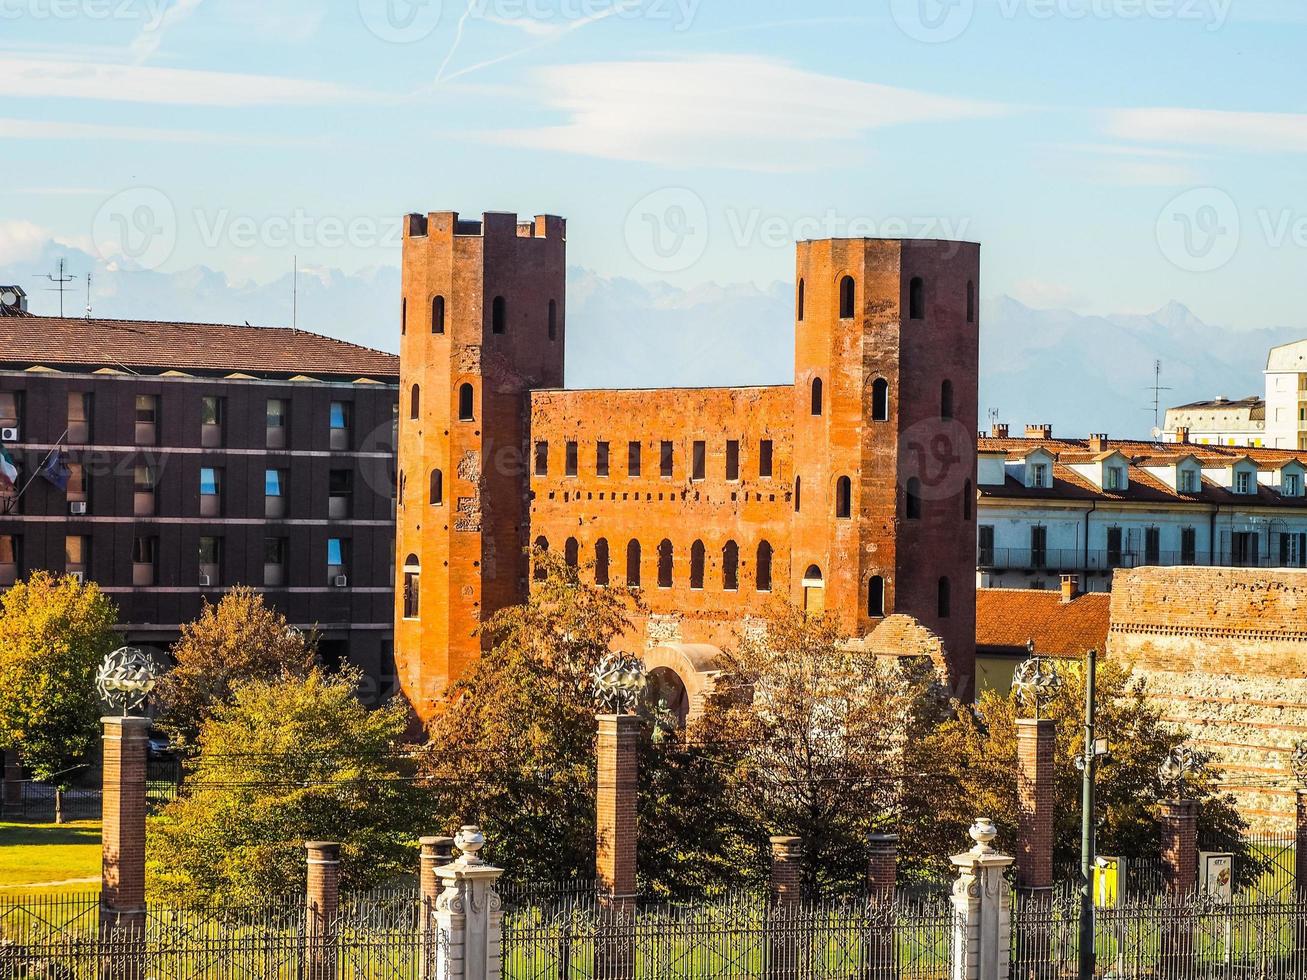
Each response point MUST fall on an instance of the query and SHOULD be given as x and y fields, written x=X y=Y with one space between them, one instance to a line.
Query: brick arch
x=697 y=665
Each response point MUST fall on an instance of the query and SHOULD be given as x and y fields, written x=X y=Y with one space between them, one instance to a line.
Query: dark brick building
x=200 y=457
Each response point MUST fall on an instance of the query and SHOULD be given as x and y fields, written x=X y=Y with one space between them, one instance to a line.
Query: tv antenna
x=89 y=277
x=1157 y=388
x=61 y=281
x=295 y=293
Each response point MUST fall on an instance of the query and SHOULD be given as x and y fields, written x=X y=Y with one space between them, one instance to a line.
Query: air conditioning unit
x=9 y=434
x=78 y=577
x=340 y=581
x=205 y=580
x=77 y=508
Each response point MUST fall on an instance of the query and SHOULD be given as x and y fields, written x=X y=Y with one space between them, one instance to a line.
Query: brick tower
x=483 y=323
x=886 y=367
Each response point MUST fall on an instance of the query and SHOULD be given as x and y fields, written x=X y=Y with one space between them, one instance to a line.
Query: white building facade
x=1286 y=397
x=1049 y=508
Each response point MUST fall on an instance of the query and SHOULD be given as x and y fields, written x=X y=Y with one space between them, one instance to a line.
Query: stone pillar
x=436 y=853
x=12 y=800
x=122 y=857
x=469 y=920
x=1180 y=846
x=322 y=907
x=1036 y=750
x=784 y=939
x=618 y=757
x=982 y=926
x=882 y=867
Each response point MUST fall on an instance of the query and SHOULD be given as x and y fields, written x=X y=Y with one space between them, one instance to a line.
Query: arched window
x=912 y=500
x=696 y=565
x=946 y=400
x=880 y=400
x=633 y=564
x=731 y=567
x=415 y=403
x=438 y=315
x=847 y=290
x=968 y=500
x=945 y=598
x=437 y=488
x=499 y=315
x=916 y=299
x=465 y=396
x=601 y=561
x=801 y=299
x=971 y=301
x=665 y=565
x=401 y=488
x=876 y=597
x=553 y=320
x=764 y=567
x=403 y=317
x=816 y=396
x=572 y=553
x=542 y=545
x=412 y=586
x=844 y=498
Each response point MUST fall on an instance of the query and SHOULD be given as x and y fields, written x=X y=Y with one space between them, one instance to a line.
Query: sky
x=1110 y=155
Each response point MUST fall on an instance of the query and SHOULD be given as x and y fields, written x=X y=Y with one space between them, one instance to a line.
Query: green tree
x=514 y=747
x=818 y=738
x=977 y=761
x=54 y=633
x=286 y=761
x=237 y=640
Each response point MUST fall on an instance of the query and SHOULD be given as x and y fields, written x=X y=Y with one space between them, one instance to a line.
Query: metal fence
x=44 y=802
x=1191 y=938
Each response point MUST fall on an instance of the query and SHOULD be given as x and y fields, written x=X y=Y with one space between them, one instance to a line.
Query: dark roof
x=1252 y=401
x=202 y=348
x=1006 y=619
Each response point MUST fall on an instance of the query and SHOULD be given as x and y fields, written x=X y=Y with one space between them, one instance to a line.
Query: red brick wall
x=123 y=796
x=1180 y=846
x=786 y=870
x=617 y=786
x=1036 y=747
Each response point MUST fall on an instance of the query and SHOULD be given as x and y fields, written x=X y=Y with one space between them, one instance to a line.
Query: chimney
x=1182 y=435
x=1098 y=442
x=1070 y=587
x=1042 y=431
x=998 y=430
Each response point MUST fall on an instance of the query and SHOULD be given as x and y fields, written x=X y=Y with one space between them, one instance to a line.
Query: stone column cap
x=127 y=721
x=883 y=838
x=328 y=849
x=460 y=870
x=1039 y=724
x=435 y=841
x=1184 y=807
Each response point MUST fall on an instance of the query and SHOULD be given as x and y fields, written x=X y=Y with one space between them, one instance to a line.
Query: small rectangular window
x=277 y=412
x=210 y=492
x=79 y=416
x=11 y=410
x=986 y=541
x=144 y=560
x=340 y=491
x=601 y=459
x=147 y=420
x=572 y=458
x=9 y=547
x=668 y=455
x=542 y=459
x=1188 y=546
x=765 y=459
x=732 y=459
x=337 y=559
x=700 y=469
x=272 y=483
x=341 y=419
x=633 y=459
x=275 y=551
x=210 y=561
x=77 y=554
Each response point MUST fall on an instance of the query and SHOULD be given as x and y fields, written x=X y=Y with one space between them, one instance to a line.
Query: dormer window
x=1291 y=485
x=1243 y=482
x=1039 y=475
x=1188 y=481
x=1114 y=478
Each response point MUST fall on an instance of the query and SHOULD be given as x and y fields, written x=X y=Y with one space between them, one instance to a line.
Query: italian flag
x=8 y=471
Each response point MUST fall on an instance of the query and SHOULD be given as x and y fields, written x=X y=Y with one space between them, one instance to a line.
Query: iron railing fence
x=1188 y=938
x=1055 y=560
x=732 y=939
x=46 y=802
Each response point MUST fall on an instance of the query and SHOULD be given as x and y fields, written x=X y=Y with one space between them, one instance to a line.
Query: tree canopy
x=54 y=633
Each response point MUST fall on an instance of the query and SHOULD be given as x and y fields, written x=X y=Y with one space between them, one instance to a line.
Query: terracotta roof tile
x=190 y=347
x=1007 y=619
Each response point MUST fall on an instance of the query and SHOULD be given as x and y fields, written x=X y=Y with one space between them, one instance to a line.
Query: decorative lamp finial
x=619 y=682
x=126 y=678
x=1036 y=681
x=470 y=840
x=1177 y=768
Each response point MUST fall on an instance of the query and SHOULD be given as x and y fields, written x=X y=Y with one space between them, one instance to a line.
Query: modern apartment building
x=169 y=462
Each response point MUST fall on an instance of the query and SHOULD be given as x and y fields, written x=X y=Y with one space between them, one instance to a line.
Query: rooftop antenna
x=1157 y=389
x=295 y=293
x=89 y=277
x=60 y=281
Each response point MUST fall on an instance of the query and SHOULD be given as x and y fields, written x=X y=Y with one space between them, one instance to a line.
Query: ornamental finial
x=619 y=683
x=1036 y=680
x=126 y=678
x=1180 y=765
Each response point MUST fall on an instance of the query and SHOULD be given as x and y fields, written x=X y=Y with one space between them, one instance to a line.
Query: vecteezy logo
x=667 y=231
x=1198 y=231
x=940 y=455
x=933 y=21
x=401 y=21
x=139 y=225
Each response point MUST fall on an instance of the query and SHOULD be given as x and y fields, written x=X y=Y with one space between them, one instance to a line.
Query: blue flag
x=56 y=470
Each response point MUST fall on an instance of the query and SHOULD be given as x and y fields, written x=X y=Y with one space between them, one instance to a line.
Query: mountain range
x=1079 y=373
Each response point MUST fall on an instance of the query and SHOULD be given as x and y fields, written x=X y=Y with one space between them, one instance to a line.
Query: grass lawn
x=32 y=856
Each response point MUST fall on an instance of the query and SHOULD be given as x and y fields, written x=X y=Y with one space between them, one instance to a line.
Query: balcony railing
x=1065 y=560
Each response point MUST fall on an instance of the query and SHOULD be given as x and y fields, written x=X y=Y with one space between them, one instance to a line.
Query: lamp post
x=1088 y=763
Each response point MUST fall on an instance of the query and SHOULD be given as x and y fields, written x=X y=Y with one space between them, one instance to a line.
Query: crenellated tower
x=885 y=396
x=483 y=323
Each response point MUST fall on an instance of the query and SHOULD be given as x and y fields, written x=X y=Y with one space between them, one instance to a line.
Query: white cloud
x=1118 y=165
x=278 y=20
x=33 y=129
x=21 y=240
x=743 y=112
x=149 y=39
x=1256 y=131
x=37 y=79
